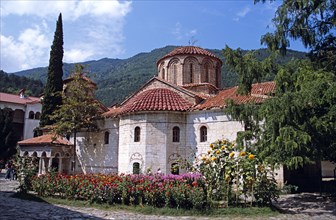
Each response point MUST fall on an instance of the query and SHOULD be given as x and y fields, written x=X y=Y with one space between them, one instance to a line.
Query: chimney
x=22 y=93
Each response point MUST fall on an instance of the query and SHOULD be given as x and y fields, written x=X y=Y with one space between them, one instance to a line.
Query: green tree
x=7 y=137
x=299 y=121
x=310 y=21
x=52 y=93
x=79 y=110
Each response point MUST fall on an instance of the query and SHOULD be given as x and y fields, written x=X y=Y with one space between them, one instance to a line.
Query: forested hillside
x=117 y=78
x=10 y=83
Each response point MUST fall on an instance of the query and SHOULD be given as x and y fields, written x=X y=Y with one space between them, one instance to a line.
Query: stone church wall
x=219 y=126
x=155 y=145
x=93 y=154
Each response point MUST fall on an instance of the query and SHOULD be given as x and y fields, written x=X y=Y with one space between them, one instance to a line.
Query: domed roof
x=156 y=100
x=189 y=50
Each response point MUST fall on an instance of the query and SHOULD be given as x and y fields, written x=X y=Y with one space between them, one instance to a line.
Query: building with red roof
x=26 y=112
x=175 y=115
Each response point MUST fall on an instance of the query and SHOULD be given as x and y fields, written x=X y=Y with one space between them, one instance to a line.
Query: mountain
x=117 y=78
x=10 y=83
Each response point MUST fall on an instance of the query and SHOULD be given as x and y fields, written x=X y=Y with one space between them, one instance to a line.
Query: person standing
x=9 y=171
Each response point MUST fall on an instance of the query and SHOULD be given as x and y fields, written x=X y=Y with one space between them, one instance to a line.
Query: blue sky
x=121 y=29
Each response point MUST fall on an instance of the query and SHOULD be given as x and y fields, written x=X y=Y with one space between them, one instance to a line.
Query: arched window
x=163 y=73
x=203 y=134
x=175 y=73
x=37 y=115
x=31 y=115
x=175 y=169
x=106 y=137
x=136 y=168
x=206 y=68
x=137 y=134
x=191 y=72
x=176 y=134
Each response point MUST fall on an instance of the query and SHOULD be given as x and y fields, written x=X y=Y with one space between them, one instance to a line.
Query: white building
x=27 y=111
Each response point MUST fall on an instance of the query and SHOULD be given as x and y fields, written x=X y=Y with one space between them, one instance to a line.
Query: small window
x=175 y=169
x=206 y=72
x=31 y=115
x=136 y=168
x=137 y=134
x=191 y=72
x=176 y=134
x=163 y=74
x=175 y=73
x=106 y=137
x=203 y=134
x=37 y=115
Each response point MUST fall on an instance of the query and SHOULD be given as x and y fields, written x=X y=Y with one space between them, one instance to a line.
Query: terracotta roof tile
x=156 y=100
x=112 y=112
x=45 y=139
x=189 y=50
x=259 y=93
x=12 y=98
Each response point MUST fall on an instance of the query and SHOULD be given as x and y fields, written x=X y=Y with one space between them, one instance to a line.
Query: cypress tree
x=53 y=89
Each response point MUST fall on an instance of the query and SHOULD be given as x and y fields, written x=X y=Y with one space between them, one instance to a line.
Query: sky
x=121 y=29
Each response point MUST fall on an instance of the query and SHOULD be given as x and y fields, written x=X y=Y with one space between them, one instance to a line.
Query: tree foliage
x=79 y=108
x=297 y=124
x=310 y=21
x=7 y=137
x=52 y=93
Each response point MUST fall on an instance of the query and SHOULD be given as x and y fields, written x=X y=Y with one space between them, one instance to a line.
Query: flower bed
x=175 y=191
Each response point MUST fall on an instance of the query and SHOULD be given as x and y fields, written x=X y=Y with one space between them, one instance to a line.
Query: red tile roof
x=84 y=77
x=259 y=93
x=189 y=50
x=112 y=112
x=12 y=98
x=156 y=100
x=44 y=140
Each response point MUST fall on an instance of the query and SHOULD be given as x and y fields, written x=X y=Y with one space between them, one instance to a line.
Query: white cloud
x=71 y=10
x=26 y=51
x=242 y=13
x=92 y=30
x=181 y=34
x=77 y=55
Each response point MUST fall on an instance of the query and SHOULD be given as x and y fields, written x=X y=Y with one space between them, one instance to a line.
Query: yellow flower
x=213 y=158
x=223 y=147
x=209 y=151
x=251 y=156
x=204 y=158
x=243 y=153
x=217 y=152
x=211 y=146
x=232 y=154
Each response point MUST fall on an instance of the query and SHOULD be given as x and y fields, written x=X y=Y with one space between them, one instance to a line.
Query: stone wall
x=155 y=146
x=93 y=154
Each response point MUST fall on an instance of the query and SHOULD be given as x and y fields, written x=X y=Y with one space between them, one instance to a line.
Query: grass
x=253 y=212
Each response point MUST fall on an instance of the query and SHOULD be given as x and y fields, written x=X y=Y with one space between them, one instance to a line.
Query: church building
x=173 y=117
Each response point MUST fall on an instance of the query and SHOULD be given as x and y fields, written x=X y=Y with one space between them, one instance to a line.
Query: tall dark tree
x=54 y=86
x=7 y=137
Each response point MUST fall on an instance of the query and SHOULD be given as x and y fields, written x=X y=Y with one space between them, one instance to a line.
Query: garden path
x=296 y=207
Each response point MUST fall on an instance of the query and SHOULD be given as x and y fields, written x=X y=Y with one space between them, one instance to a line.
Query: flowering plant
x=231 y=175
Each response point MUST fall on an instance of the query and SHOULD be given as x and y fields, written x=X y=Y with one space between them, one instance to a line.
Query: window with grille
x=176 y=134
x=203 y=134
x=137 y=134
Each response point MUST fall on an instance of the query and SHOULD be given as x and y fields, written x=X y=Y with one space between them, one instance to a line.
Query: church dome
x=189 y=50
x=156 y=100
